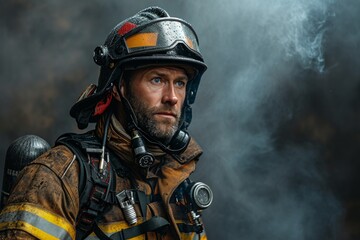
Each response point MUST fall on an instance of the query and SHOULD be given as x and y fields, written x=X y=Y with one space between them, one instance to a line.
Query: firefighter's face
x=157 y=95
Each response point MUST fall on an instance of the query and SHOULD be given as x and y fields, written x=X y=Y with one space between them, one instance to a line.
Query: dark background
x=277 y=112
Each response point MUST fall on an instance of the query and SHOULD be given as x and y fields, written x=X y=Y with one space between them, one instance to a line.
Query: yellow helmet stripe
x=38 y=218
x=142 y=40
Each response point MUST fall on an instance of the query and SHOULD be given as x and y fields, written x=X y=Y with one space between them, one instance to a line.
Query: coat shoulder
x=57 y=159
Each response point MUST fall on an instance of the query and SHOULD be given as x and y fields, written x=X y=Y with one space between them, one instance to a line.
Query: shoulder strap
x=93 y=185
x=95 y=188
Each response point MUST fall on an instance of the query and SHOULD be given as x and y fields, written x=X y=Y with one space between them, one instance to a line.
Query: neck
x=119 y=113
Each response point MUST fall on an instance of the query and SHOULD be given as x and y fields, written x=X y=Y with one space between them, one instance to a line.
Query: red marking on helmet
x=126 y=28
x=102 y=105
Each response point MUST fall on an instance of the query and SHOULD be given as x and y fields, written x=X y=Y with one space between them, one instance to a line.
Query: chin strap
x=177 y=144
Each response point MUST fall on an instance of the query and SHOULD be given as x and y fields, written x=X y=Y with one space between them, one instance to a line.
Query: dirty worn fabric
x=45 y=201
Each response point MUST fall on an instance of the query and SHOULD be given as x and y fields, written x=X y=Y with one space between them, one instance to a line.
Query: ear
x=122 y=88
x=115 y=93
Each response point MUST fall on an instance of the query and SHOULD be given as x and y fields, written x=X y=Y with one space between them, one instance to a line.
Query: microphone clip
x=142 y=157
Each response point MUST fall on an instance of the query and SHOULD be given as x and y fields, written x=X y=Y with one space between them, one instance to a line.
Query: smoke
x=266 y=186
x=274 y=113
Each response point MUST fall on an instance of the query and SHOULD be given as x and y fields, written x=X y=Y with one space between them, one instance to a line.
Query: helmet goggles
x=160 y=35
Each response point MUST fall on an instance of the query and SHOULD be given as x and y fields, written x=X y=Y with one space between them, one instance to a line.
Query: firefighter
x=128 y=177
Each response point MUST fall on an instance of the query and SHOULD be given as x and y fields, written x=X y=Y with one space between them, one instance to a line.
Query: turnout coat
x=45 y=202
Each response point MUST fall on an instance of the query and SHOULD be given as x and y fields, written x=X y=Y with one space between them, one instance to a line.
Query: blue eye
x=180 y=83
x=156 y=80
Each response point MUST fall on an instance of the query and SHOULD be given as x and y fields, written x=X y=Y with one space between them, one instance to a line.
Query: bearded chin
x=151 y=127
x=162 y=131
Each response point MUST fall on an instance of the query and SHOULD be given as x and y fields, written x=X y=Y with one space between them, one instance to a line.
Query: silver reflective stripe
x=37 y=222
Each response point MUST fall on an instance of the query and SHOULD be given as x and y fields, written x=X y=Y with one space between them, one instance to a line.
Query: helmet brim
x=163 y=60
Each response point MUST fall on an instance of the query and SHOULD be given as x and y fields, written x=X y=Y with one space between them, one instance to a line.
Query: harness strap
x=94 y=188
x=96 y=202
x=153 y=224
x=124 y=172
x=143 y=201
x=189 y=228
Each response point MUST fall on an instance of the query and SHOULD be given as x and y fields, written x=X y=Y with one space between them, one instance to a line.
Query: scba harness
x=98 y=194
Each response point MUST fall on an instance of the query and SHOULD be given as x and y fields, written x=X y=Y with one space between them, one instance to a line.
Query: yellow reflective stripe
x=187 y=236
x=44 y=214
x=21 y=225
x=111 y=228
x=142 y=40
x=203 y=237
x=192 y=235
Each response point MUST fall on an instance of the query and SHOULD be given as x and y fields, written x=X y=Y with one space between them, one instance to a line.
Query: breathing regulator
x=194 y=197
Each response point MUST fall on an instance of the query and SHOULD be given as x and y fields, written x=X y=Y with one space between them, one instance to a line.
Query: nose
x=169 y=95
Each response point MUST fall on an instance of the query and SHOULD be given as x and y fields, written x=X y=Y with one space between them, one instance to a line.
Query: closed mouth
x=166 y=114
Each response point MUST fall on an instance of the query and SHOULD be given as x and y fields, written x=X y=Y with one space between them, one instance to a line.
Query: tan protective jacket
x=44 y=204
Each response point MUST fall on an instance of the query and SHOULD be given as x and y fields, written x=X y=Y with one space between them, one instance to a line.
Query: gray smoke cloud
x=265 y=191
x=272 y=112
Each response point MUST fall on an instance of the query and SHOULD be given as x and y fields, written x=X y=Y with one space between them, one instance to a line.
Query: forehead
x=162 y=70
